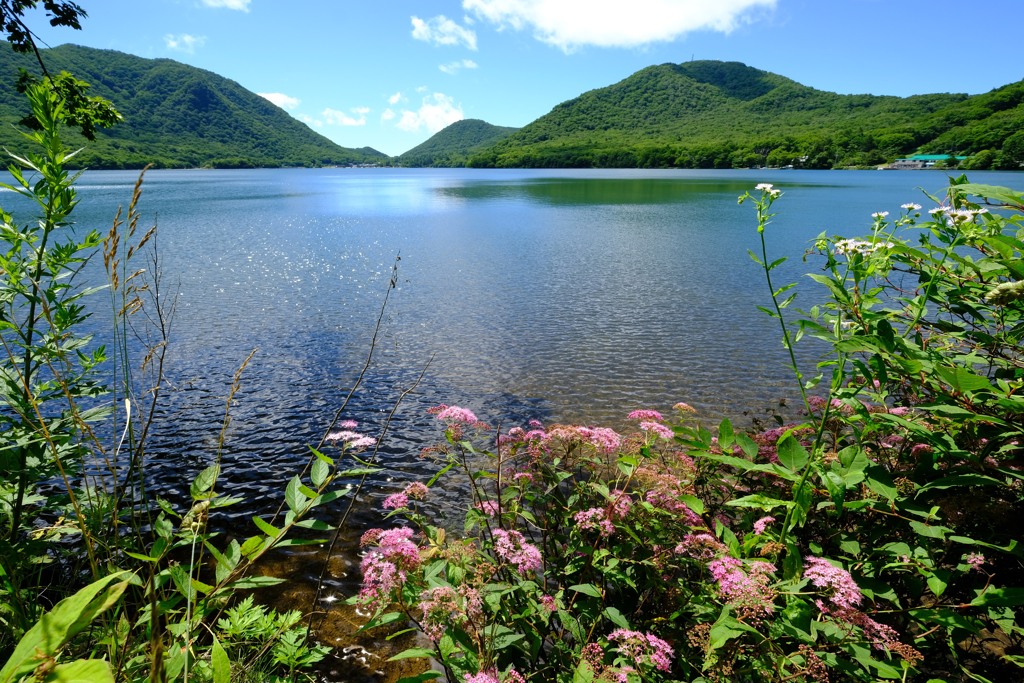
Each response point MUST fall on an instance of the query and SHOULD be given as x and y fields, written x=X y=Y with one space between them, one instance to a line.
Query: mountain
x=455 y=143
x=174 y=116
x=711 y=114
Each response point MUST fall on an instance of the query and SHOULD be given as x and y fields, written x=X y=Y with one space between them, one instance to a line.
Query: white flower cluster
x=852 y=246
x=768 y=189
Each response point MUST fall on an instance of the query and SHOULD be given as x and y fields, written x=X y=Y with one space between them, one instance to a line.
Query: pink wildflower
x=645 y=415
x=643 y=648
x=975 y=560
x=595 y=519
x=744 y=584
x=657 y=429
x=488 y=507
x=512 y=547
x=619 y=505
x=384 y=568
x=844 y=592
x=700 y=546
x=447 y=413
x=350 y=439
x=489 y=676
x=548 y=603
x=684 y=407
x=761 y=524
x=396 y=501
x=441 y=607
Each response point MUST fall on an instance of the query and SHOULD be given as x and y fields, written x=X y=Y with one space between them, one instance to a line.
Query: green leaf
x=294 y=497
x=220 y=663
x=413 y=653
x=319 y=472
x=792 y=454
x=583 y=672
x=962 y=380
x=269 y=530
x=616 y=617
x=930 y=530
x=81 y=671
x=999 y=597
x=587 y=589
x=63 y=622
x=725 y=629
x=725 y=434
x=204 y=482
x=759 y=501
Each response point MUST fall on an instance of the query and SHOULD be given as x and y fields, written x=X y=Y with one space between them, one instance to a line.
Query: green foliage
x=710 y=114
x=875 y=540
x=74 y=510
x=175 y=116
x=452 y=146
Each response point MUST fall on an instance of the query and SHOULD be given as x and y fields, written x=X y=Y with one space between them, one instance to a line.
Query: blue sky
x=388 y=74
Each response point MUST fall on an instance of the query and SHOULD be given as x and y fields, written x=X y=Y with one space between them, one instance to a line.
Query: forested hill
x=710 y=114
x=455 y=143
x=174 y=116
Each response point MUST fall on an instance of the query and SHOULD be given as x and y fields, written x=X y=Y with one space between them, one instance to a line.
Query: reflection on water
x=571 y=296
x=556 y=295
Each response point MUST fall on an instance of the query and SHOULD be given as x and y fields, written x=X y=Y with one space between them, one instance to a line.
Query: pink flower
x=643 y=648
x=489 y=676
x=447 y=413
x=645 y=415
x=512 y=547
x=595 y=519
x=975 y=560
x=385 y=567
x=396 y=501
x=350 y=439
x=761 y=524
x=658 y=429
x=844 y=592
x=548 y=603
x=488 y=507
x=684 y=407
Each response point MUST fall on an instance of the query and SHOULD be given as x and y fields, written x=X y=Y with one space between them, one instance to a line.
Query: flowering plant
x=845 y=546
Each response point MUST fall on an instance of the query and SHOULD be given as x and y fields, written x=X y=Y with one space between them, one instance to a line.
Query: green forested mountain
x=174 y=115
x=453 y=145
x=710 y=114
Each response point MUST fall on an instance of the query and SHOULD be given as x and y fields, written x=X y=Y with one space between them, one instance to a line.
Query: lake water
x=569 y=296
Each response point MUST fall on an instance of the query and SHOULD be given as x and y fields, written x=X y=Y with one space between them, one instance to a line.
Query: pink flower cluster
x=643 y=648
x=539 y=441
x=595 y=519
x=349 y=438
x=512 y=547
x=443 y=606
x=385 y=567
x=762 y=524
x=491 y=676
x=843 y=591
x=397 y=501
x=746 y=584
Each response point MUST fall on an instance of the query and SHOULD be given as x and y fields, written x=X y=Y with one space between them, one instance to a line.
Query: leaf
x=963 y=381
x=759 y=501
x=587 y=589
x=961 y=480
x=616 y=617
x=724 y=630
x=725 y=434
x=318 y=472
x=269 y=530
x=792 y=454
x=413 y=653
x=999 y=597
x=81 y=671
x=204 y=482
x=293 y=496
x=583 y=673
x=63 y=622
x=220 y=663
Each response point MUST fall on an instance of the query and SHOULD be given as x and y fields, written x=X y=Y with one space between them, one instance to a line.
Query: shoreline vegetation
x=848 y=545
x=874 y=537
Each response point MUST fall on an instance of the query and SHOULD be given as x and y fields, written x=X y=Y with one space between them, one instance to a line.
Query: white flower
x=879 y=215
x=911 y=207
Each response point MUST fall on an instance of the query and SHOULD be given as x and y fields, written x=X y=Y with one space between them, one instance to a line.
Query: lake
x=565 y=296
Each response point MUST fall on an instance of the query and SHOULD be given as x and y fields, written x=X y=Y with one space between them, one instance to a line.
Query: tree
x=83 y=111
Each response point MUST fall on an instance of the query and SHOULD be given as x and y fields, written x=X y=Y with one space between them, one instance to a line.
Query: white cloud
x=388 y=114
x=569 y=24
x=396 y=98
x=333 y=117
x=437 y=111
x=442 y=31
x=280 y=99
x=240 y=5
x=453 y=67
x=184 y=43
x=310 y=121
